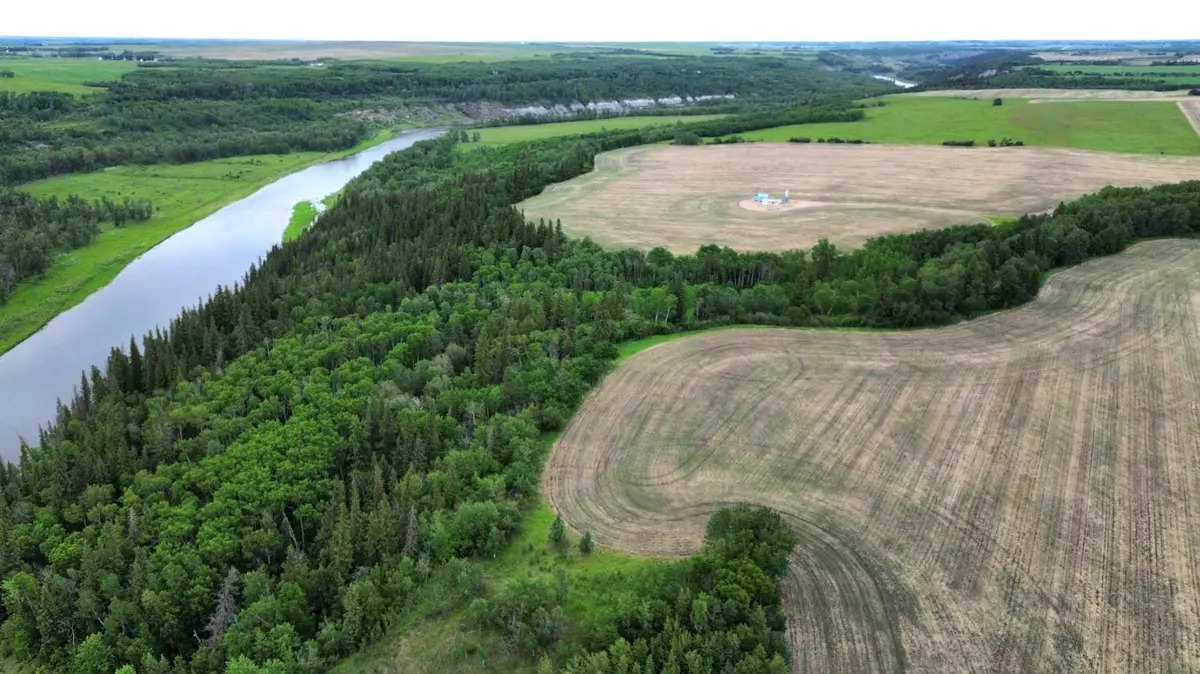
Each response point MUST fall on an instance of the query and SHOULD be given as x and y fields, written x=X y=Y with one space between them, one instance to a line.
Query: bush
x=585 y=544
x=7 y=74
x=991 y=142
x=997 y=101
x=802 y=139
x=686 y=138
x=959 y=143
x=1194 y=92
x=820 y=140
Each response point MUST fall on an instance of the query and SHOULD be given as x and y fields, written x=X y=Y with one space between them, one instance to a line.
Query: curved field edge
x=79 y=273
x=962 y=494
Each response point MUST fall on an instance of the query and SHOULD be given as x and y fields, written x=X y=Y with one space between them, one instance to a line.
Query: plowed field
x=1017 y=493
x=684 y=197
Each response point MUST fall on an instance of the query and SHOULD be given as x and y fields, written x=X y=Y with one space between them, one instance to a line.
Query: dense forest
x=273 y=481
x=197 y=110
x=33 y=231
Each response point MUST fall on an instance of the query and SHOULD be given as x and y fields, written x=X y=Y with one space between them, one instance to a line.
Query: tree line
x=33 y=231
x=306 y=458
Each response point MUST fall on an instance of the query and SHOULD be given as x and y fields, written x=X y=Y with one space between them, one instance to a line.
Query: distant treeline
x=33 y=231
x=1019 y=70
x=201 y=110
x=557 y=80
x=311 y=457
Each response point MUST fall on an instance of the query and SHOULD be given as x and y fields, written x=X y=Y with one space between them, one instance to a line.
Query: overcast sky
x=607 y=20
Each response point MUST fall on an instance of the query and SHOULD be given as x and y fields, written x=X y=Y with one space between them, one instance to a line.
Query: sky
x=609 y=20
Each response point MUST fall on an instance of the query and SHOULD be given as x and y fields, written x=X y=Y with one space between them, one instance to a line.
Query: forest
x=277 y=478
x=1020 y=70
x=196 y=110
x=33 y=231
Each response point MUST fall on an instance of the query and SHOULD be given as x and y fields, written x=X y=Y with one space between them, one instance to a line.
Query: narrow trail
x=1012 y=493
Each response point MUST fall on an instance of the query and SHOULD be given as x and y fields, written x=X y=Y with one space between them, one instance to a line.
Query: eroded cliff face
x=441 y=113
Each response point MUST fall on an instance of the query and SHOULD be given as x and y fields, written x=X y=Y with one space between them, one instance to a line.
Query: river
x=900 y=83
x=179 y=272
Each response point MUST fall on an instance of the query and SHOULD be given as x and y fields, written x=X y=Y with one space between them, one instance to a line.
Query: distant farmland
x=501 y=135
x=60 y=74
x=1015 y=493
x=1112 y=126
x=685 y=197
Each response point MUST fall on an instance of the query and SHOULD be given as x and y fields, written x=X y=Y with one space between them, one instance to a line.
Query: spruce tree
x=558 y=535
x=585 y=544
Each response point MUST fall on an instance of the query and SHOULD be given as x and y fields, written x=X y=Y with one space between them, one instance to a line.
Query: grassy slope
x=502 y=135
x=452 y=644
x=1114 y=126
x=55 y=74
x=181 y=194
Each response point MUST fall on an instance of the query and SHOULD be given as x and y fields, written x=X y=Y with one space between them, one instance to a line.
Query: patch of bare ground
x=1039 y=95
x=1010 y=494
x=682 y=198
x=1191 y=110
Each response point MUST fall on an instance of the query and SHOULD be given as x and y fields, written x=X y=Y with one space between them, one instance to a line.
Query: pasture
x=502 y=135
x=1112 y=126
x=1182 y=73
x=682 y=198
x=1014 y=492
x=60 y=74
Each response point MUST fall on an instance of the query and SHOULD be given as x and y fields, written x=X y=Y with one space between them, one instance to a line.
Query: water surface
x=179 y=272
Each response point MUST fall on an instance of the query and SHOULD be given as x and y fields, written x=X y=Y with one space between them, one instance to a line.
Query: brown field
x=685 y=197
x=1039 y=95
x=1008 y=494
x=1191 y=110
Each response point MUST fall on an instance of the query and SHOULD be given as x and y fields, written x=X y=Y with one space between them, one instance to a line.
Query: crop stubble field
x=684 y=197
x=1016 y=493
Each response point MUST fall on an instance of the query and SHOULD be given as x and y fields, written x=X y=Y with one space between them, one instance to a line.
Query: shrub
x=558 y=535
x=585 y=544
x=991 y=142
x=800 y=140
x=997 y=101
x=686 y=138
x=1194 y=91
x=959 y=143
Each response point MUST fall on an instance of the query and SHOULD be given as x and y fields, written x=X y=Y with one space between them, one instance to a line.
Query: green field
x=59 y=74
x=502 y=135
x=181 y=194
x=1161 y=73
x=1114 y=126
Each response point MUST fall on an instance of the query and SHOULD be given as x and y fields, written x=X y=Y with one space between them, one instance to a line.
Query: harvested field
x=1191 y=110
x=1036 y=95
x=1013 y=493
x=685 y=197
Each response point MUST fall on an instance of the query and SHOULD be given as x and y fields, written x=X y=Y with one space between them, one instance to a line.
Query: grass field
x=303 y=215
x=451 y=644
x=502 y=135
x=181 y=194
x=58 y=74
x=1014 y=492
x=1112 y=126
x=685 y=197
x=1161 y=73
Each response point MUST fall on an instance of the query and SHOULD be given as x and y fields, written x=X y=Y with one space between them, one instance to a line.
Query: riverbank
x=182 y=194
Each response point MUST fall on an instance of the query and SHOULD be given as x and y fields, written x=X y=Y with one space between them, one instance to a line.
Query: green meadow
x=60 y=74
x=502 y=135
x=181 y=194
x=1190 y=72
x=1113 y=126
